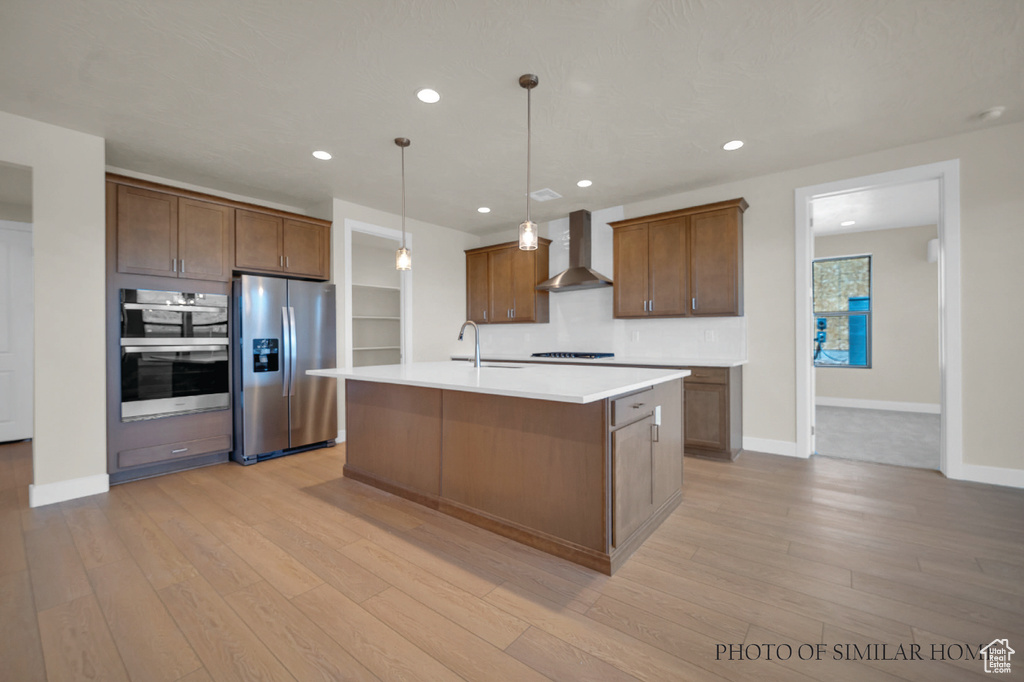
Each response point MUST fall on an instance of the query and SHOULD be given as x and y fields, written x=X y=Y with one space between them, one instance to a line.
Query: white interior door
x=15 y=331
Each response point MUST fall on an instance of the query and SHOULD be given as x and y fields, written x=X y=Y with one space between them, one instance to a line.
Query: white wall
x=904 y=318
x=992 y=241
x=438 y=282
x=68 y=243
x=582 y=320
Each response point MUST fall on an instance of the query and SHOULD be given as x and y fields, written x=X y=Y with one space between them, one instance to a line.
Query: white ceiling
x=636 y=95
x=881 y=208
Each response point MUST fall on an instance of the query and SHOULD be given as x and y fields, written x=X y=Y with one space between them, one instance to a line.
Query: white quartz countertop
x=617 y=360
x=564 y=383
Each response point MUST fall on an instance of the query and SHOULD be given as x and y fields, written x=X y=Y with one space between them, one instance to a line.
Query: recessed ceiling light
x=847 y=223
x=483 y=209
x=991 y=114
x=732 y=146
x=322 y=155
x=429 y=96
x=584 y=183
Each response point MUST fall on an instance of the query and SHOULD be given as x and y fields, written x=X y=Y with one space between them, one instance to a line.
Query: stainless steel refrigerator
x=283 y=328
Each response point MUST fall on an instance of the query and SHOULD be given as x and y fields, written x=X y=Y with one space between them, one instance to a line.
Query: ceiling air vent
x=545 y=195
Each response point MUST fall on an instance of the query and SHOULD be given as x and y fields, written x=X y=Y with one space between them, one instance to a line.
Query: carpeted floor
x=904 y=438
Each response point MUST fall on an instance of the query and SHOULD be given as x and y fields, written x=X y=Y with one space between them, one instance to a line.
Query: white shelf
x=377 y=286
x=378 y=348
x=374 y=317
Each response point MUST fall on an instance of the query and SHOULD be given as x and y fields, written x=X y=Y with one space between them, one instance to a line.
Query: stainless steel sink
x=495 y=365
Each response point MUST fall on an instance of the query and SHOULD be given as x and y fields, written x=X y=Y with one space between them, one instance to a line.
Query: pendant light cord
x=403 y=197
x=528 y=137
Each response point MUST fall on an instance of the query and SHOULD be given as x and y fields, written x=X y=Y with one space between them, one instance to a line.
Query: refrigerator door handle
x=286 y=353
x=293 y=348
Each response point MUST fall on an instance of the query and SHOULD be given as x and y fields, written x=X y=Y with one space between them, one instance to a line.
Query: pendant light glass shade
x=528 y=229
x=403 y=257
x=528 y=236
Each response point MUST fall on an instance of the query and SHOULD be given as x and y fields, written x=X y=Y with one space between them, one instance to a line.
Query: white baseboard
x=62 y=491
x=1013 y=478
x=341 y=436
x=893 y=405
x=772 y=447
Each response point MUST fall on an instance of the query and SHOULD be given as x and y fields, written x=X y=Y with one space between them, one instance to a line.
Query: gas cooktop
x=574 y=354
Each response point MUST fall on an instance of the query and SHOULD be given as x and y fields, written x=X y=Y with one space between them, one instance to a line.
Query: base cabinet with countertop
x=713 y=400
x=588 y=482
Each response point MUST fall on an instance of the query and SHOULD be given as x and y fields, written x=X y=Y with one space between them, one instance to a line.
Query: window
x=842 y=311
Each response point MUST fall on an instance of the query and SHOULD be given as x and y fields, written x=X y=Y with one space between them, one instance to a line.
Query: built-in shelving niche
x=376 y=302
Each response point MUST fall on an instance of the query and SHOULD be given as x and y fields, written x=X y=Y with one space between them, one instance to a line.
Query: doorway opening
x=876 y=334
x=378 y=298
x=943 y=180
x=16 y=303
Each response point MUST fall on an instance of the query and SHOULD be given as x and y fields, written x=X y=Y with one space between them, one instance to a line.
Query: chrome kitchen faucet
x=476 y=334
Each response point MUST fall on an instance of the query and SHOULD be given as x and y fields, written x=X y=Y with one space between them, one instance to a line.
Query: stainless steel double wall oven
x=174 y=353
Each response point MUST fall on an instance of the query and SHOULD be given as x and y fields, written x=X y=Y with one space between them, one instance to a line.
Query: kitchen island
x=580 y=462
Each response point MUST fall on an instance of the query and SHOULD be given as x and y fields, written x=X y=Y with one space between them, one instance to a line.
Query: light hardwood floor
x=287 y=571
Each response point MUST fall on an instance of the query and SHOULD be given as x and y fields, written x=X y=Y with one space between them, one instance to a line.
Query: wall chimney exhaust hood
x=579 y=275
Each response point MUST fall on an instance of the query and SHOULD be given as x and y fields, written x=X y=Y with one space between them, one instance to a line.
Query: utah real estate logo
x=997 y=656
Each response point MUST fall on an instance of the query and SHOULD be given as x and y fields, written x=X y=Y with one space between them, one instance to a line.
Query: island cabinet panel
x=680 y=263
x=393 y=436
x=536 y=464
x=667 y=449
x=633 y=477
x=501 y=283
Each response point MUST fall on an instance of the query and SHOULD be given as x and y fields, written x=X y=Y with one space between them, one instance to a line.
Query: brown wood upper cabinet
x=680 y=263
x=271 y=243
x=501 y=281
x=172 y=236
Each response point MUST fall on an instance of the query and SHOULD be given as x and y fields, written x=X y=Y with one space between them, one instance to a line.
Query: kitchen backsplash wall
x=582 y=320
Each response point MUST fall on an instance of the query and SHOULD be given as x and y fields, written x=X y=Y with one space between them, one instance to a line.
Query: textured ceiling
x=636 y=95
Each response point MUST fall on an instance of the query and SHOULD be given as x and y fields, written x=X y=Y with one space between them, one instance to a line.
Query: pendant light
x=403 y=258
x=528 y=230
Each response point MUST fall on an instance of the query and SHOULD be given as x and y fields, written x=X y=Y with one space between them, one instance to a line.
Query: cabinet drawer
x=629 y=408
x=708 y=375
x=169 y=451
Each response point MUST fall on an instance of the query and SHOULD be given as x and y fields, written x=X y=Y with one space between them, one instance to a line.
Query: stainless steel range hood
x=579 y=275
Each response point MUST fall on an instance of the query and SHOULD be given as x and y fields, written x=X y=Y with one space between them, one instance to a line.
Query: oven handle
x=170 y=349
x=167 y=342
x=286 y=374
x=175 y=308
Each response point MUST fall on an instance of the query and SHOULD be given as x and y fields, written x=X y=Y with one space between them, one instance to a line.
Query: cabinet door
x=204 y=240
x=147 y=232
x=630 y=255
x=499 y=276
x=476 y=287
x=716 y=262
x=668 y=444
x=667 y=263
x=706 y=409
x=305 y=249
x=258 y=241
x=524 y=279
x=633 y=478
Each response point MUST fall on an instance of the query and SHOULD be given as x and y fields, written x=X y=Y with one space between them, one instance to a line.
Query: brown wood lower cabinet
x=556 y=476
x=714 y=412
